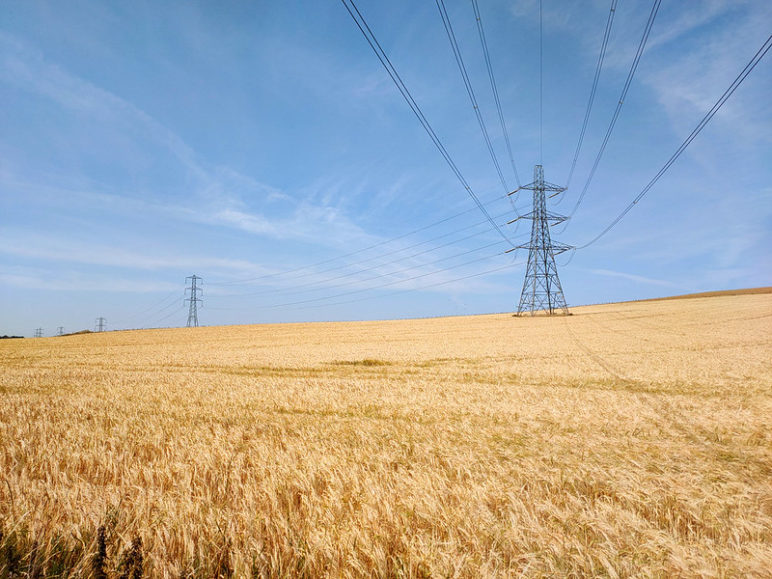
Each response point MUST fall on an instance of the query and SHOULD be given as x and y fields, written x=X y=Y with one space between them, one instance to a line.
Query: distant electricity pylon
x=100 y=324
x=60 y=331
x=38 y=332
x=194 y=290
x=541 y=288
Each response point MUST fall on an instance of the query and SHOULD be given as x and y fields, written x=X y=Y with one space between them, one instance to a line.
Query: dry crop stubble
x=627 y=439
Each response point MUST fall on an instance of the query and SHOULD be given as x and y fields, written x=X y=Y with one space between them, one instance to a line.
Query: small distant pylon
x=38 y=332
x=60 y=331
x=193 y=300
x=541 y=288
x=100 y=324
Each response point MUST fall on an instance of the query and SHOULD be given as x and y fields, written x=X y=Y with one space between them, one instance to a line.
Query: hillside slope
x=626 y=439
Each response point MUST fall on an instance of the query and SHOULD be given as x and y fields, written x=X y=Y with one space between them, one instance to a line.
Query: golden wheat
x=627 y=439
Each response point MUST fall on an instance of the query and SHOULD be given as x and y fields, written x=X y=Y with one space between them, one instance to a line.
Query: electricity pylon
x=60 y=331
x=193 y=299
x=38 y=332
x=100 y=324
x=541 y=287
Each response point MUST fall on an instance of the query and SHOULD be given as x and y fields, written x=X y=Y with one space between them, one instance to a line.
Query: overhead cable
x=369 y=247
x=384 y=59
x=155 y=308
x=469 y=90
x=421 y=288
x=633 y=68
x=173 y=313
x=494 y=89
x=423 y=275
x=541 y=84
x=404 y=269
x=709 y=115
x=345 y=255
x=598 y=67
x=318 y=282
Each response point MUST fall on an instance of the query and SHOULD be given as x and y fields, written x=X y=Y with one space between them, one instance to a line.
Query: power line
x=495 y=90
x=172 y=303
x=412 y=267
x=570 y=257
x=396 y=292
x=154 y=306
x=469 y=90
x=392 y=273
x=179 y=310
x=369 y=247
x=350 y=253
x=152 y=310
x=541 y=86
x=389 y=283
x=379 y=286
x=708 y=116
x=384 y=59
x=376 y=266
x=422 y=288
x=633 y=68
x=294 y=289
x=598 y=67
x=388 y=253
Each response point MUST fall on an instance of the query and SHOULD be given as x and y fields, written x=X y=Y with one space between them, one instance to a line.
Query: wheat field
x=627 y=439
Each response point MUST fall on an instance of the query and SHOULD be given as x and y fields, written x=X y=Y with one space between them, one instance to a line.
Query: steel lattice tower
x=541 y=289
x=193 y=299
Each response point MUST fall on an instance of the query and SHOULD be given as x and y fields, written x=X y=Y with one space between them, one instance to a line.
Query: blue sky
x=144 y=142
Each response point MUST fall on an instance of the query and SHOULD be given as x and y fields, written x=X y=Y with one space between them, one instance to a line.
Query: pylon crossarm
x=555 y=217
x=558 y=248
x=536 y=186
x=523 y=216
x=552 y=187
x=549 y=217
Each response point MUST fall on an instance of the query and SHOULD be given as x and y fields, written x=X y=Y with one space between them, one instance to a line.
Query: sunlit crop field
x=626 y=439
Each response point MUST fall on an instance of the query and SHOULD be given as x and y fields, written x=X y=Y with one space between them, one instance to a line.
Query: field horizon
x=716 y=293
x=626 y=439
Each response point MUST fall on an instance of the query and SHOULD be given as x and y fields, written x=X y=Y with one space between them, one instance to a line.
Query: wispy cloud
x=304 y=221
x=28 y=278
x=689 y=83
x=635 y=278
x=307 y=222
x=221 y=196
x=401 y=267
x=27 y=69
x=689 y=19
x=741 y=230
x=565 y=18
x=56 y=249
